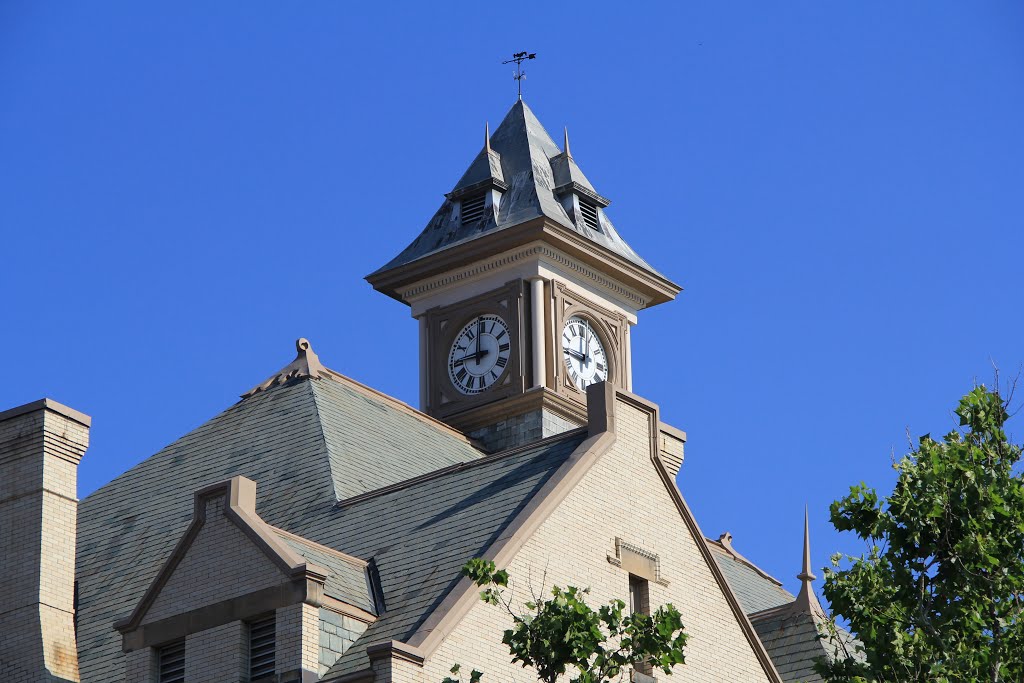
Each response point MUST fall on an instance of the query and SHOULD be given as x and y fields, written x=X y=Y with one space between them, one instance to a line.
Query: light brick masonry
x=621 y=496
x=41 y=445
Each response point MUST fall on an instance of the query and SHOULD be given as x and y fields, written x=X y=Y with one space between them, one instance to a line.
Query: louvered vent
x=172 y=662
x=473 y=210
x=261 y=648
x=589 y=212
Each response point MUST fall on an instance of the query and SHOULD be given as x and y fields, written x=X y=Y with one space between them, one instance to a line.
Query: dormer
x=477 y=195
x=584 y=206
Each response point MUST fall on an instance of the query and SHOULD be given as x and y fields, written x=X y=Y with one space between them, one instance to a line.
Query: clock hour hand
x=576 y=354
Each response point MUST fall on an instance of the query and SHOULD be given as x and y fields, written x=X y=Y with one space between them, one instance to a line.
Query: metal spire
x=566 y=150
x=807 y=600
x=487 y=137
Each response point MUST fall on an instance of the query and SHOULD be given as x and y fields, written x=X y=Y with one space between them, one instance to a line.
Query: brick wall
x=41 y=445
x=222 y=563
x=621 y=496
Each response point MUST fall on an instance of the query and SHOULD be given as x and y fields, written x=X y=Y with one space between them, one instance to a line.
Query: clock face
x=479 y=354
x=583 y=352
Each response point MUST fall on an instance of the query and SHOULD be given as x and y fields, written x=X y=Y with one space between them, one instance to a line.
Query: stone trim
x=240 y=608
x=691 y=523
x=47 y=404
x=637 y=561
x=347 y=610
x=446 y=616
x=240 y=494
x=535 y=398
x=542 y=250
x=396 y=650
x=652 y=285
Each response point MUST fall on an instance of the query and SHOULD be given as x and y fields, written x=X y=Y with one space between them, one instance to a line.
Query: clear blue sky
x=185 y=188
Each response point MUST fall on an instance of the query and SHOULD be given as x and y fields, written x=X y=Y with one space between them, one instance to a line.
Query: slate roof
x=306 y=442
x=420 y=534
x=787 y=629
x=532 y=168
x=755 y=589
x=348 y=579
x=791 y=637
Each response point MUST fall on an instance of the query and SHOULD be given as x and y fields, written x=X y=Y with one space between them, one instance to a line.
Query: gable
x=220 y=563
x=623 y=496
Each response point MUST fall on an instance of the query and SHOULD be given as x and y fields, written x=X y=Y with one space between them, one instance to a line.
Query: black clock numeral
x=461 y=374
x=502 y=335
x=471 y=382
x=471 y=334
x=504 y=347
x=494 y=375
x=501 y=361
x=600 y=366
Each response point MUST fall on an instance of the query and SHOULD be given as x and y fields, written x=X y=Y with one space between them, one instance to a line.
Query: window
x=589 y=213
x=172 y=662
x=640 y=603
x=473 y=209
x=262 y=648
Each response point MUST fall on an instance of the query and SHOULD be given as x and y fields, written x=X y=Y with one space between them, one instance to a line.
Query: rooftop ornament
x=306 y=364
x=518 y=58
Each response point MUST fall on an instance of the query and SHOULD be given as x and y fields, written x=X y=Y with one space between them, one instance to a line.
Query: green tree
x=564 y=634
x=939 y=594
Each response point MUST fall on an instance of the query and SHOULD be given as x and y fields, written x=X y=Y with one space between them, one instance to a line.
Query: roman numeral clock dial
x=479 y=354
x=583 y=353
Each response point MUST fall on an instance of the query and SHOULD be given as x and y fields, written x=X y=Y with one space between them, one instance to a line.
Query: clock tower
x=524 y=291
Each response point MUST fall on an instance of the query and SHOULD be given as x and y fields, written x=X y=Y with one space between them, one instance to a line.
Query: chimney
x=41 y=444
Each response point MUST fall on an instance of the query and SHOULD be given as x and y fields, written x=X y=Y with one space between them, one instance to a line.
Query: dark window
x=640 y=603
x=589 y=212
x=262 y=647
x=473 y=209
x=172 y=662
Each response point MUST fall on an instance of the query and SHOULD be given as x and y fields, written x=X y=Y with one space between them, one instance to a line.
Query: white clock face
x=479 y=354
x=584 y=355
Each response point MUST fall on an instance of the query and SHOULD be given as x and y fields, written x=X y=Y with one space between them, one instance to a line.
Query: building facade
x=315 y=530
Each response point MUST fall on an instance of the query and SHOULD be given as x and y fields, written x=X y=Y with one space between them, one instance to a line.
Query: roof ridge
x=726 y=547
x=350 y=559
x=458 y=467
x=405 y=407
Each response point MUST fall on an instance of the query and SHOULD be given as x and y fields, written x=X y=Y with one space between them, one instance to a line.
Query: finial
x=807 y=601
x=306 y=364
x=806 y=575
x=487 y=137
x=566 y=150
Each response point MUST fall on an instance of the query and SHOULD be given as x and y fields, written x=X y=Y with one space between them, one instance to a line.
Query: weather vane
x=518 y=59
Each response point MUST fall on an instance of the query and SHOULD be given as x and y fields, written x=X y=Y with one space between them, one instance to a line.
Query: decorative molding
x=611 y=327
x=306 y=364
x=443 y=323
x=542 y=250
x=538 y=398
x=622 y=559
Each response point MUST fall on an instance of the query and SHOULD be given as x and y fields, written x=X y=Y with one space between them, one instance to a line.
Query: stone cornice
x=540 y=250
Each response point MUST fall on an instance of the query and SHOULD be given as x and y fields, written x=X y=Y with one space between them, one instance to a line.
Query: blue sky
x=188 y=187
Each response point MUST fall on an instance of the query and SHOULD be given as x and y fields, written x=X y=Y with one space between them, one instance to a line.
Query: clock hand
x=475 y=356
x=479 y=333
x=576 y=354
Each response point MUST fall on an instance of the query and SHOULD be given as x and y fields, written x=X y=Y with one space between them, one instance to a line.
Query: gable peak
x=306 y=364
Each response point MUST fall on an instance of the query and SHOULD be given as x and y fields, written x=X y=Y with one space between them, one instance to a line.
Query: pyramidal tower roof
x=533 y=176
